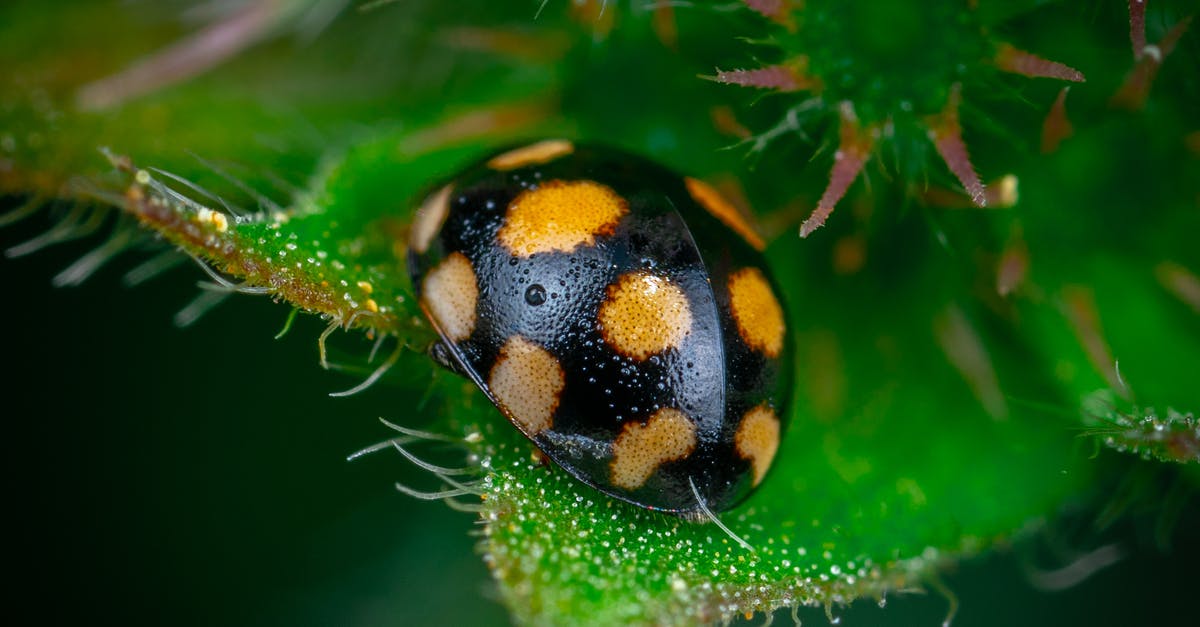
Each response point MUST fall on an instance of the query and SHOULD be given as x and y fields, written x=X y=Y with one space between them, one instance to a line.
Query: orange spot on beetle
x=560 y=216
x=757 y=439
x=708 y=197
x=450 y=293
x=429 y=218
x=534 y=154
x=527 y=381
x=756 y=311
x=644 y=314
x=639 y=450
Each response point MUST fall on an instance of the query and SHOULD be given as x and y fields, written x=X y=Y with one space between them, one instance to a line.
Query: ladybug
x=621 y=316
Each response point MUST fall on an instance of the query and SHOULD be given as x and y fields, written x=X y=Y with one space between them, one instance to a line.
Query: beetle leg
x=440 y=353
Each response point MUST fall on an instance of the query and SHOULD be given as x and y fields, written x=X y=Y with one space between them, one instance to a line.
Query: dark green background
x=197 y=476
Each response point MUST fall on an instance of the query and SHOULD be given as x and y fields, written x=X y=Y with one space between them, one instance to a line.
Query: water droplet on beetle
x=535 y=295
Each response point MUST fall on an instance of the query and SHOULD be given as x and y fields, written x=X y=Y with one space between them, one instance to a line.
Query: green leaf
x=937 y=414
x=891 y=469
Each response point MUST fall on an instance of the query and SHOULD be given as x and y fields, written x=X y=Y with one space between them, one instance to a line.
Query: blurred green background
x=157 y=477
x=198 y=476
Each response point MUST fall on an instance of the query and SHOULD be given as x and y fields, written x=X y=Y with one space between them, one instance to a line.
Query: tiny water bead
x=535 y=295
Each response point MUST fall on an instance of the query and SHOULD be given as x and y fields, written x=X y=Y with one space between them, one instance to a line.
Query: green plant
x=950 y=358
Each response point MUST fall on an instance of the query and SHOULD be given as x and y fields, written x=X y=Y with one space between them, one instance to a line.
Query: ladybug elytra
x=619 y=315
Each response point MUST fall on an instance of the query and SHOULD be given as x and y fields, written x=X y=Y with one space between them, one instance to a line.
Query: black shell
x=594 y=389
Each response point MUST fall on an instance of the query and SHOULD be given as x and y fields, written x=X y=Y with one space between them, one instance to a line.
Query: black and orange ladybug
x=619 y=315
